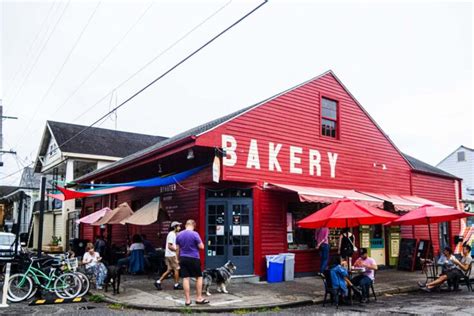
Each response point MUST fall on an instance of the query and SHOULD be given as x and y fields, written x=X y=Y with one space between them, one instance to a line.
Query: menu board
x=407 y=254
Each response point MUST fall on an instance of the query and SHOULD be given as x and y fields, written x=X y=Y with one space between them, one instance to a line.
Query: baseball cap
x=175 y=223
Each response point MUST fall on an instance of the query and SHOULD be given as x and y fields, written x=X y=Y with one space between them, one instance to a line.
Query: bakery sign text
x=272 y=162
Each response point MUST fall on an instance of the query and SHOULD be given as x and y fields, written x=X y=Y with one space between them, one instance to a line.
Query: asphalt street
x=417 y=303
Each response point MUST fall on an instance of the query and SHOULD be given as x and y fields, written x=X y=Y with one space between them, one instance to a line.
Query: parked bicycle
x=71 y=265
x=23 y=286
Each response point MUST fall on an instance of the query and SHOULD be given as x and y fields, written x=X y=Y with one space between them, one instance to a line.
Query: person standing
x=346 y=244
x=188 y=245
x=171 y=257
x=322 y=243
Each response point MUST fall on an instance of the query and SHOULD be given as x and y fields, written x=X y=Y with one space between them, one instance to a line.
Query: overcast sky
x=409 y=64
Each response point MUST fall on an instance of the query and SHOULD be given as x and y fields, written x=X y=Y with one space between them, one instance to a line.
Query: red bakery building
x=273 y=163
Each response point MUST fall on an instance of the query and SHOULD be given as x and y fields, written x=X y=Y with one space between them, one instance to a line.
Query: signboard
x=365 y=240
x=407 y=254
x=394 y=246
x=289 y=222
x=216 y=169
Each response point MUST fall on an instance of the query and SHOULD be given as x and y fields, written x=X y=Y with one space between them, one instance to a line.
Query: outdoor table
x=430 y=269
x=354 y=271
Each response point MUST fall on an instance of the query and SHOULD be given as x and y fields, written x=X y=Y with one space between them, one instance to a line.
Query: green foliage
x=96 y=298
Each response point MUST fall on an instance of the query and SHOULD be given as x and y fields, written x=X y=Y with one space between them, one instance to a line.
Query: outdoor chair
x=464 y=280
x=329 y=290
x=136 y=262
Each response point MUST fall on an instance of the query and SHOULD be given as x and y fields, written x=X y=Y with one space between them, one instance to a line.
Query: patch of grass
x=96 y=298
x=116 y=306
x=186 y=310
x=269 y=310
x=242 y=311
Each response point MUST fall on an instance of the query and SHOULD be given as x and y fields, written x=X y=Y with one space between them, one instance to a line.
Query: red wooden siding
x=294 y=119
x=272 y=226
x=437 y=189
x=181 y=205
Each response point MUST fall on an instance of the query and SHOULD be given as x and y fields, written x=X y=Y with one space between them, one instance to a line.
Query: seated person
x=339 y=274
x=92 y=260
x=365 y=279
x=137 y=244
x=452 y=267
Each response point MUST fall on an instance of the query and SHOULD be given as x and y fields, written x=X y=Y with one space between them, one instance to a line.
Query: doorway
x=229 y=233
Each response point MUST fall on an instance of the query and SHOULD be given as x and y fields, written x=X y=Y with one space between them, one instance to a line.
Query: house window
x=461 y=156
x=329 y=118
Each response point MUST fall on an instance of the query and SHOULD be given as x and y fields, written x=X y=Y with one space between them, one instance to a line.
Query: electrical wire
x=40 y=52
x=30 y=49
x=165 y=73
x=71 y=51
x=151 y=61
x=154 y=81
x=97 y=66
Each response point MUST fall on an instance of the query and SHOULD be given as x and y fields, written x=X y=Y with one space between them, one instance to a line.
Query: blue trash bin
x=275 y=268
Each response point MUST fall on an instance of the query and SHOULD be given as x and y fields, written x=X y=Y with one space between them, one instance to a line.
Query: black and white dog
x=221 y=276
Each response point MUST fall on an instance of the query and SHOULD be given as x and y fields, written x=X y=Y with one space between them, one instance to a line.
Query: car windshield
x=7 y=240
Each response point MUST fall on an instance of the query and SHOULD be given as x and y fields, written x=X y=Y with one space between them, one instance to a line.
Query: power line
x=40 y=52
x=30 y=49
x=103 y=59
x=165 y=73
x=95 y=68
x=154 y=81
x=26 y=128
x=147 y=64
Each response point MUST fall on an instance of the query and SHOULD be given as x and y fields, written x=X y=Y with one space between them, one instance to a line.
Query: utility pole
x=41 y=216
x=1 y=133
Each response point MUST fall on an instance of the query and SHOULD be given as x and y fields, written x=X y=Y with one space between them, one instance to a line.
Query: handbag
x=353 y=246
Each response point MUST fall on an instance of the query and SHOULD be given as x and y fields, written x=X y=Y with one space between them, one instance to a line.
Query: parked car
x=7 y=246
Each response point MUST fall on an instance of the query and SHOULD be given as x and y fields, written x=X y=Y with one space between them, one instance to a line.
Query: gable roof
x=419 y=165
x=99 y=141
x=452 y=153
x=93 y=141
x=206 y=127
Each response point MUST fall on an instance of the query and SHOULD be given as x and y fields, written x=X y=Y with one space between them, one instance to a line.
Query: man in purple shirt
x=321 y=236
x=188 y=244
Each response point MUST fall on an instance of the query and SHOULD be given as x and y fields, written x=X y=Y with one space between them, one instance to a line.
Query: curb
x=199 y=309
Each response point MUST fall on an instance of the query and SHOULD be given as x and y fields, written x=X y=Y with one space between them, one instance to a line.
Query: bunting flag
x=110 y=188
x=67 y=194
x=153 y=182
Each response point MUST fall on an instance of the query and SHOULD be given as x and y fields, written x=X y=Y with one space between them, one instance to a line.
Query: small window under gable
x=461 y=156
x=329 y=118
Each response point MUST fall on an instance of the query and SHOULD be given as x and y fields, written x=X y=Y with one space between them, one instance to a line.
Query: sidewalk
x=139 y=292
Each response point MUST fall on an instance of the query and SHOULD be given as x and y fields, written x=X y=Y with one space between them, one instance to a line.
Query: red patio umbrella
x=346 y=213
x=429 y=214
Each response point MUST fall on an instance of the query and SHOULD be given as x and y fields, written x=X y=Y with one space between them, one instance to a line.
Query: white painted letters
x=294 y=160
x=273 y=157
x=314 y=162
x=229 y=145
x=332 y=163
x=253 y=159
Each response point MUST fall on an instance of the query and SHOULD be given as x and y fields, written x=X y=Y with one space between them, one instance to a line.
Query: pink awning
x=405 y=202
x=323 y=195
x=93 y=217
x=115 y=216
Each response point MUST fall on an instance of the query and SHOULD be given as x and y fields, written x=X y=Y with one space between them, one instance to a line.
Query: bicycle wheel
x=85 y=283
x=19 y=287
x=67 y=285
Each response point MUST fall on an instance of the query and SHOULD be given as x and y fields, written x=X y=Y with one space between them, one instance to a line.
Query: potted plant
x=54 y=245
